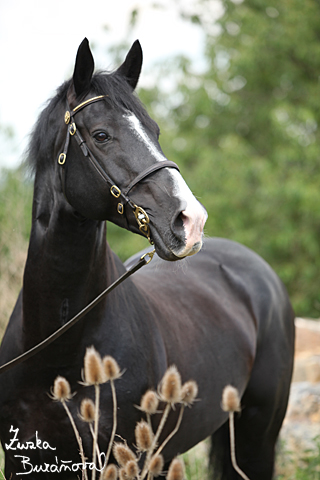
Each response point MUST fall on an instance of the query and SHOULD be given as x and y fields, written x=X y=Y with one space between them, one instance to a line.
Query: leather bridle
x=140 y=215
x=122 y=194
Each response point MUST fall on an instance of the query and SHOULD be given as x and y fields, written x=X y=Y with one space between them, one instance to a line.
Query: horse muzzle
x=184 y=237
x=193 y=224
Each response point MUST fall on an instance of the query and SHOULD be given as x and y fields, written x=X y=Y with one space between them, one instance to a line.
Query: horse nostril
x=178 y=221
x=178 y=226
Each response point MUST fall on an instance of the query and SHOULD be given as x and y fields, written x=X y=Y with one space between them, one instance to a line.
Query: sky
x=39 y=41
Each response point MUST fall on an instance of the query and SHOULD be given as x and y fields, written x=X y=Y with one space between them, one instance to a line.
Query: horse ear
x=131 y=67
x=83 y=69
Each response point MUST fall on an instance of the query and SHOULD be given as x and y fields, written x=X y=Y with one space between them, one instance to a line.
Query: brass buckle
x=148 y=254
x=115 y=191
x=141 y=216
x=62 y=158
x=72 y=128
x=120 y=208
x=67 y=117
x=142 y=221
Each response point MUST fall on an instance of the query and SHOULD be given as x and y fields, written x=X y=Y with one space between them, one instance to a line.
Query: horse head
x=112 y=166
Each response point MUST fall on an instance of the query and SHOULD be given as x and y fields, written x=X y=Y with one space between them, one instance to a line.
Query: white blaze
x=194 y=216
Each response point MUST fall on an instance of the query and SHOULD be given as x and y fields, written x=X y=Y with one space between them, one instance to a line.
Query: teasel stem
x=96 y=429
x=174 y=431
x=148 y=416
x=155 y=440
x=79 y=440
x=97 y=448
x=114 y=427
x=233 y=449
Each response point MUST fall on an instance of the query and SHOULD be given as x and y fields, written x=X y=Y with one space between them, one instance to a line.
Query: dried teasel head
x=144 y=436
x=170 y=388
x=176 y=470
x=111 y=368
x=189 y=392
x=123 y=454
x=131 y=470
x=149 y=402
x=87 y=410
x=61 y=389
x=122 y=474
x=156 y=465
x=93 y=369
x=110 y=472
x=230 y=399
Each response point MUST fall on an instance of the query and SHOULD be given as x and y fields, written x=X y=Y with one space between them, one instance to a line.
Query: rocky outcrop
x=302 y=422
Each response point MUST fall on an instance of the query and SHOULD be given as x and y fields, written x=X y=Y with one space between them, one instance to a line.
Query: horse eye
x=101 y=137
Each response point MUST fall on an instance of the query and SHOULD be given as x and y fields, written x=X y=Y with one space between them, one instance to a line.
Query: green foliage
x=245 y=133
x=15 y=207
x=303 y=467
x=196 y=461
x=310 y=468
x=1 y=464
x=15 y=222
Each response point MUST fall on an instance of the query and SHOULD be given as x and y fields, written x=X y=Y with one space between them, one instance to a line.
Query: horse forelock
x=119 y=96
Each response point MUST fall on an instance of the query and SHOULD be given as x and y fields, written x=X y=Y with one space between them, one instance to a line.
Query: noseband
x=119 y=193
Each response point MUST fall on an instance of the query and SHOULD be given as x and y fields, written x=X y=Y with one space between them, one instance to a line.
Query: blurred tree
x=245 y=132
x=15 y=222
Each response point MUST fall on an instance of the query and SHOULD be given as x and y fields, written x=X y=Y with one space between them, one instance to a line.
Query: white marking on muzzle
x=194 y=216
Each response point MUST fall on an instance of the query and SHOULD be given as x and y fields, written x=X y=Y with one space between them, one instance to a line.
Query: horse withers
x=221 y=316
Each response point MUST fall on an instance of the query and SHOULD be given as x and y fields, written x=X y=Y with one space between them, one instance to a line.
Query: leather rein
x=121 y=194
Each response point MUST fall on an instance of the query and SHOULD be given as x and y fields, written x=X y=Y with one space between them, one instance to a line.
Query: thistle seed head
x=176 y=470
x=61 y=389
x=110 y=472
x=122 y=474
x=123 y=454
x=111 y=368
x=156 y=465
x=87 y=410
x=144 y=436
x=149 y=402
x=93 y=370
x=170 y=389
x=230 y=399
x=189 y=392
x=131 y=470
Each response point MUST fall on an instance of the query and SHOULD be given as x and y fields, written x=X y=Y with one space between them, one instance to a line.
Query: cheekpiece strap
x=139 y=213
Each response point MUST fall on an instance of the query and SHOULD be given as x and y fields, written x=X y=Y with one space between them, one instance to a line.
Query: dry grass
x=11 y=272
x=1 y=464
x=15 y=220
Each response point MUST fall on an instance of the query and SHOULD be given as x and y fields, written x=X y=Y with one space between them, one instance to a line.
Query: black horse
x=223 y=317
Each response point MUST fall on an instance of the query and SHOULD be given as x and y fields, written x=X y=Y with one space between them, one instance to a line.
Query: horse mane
x=44 y=134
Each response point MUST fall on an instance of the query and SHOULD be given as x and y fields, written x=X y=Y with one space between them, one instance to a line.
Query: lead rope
x=144 y=260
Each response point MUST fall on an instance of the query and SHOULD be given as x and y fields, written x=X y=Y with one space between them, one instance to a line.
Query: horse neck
x=69 y=263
